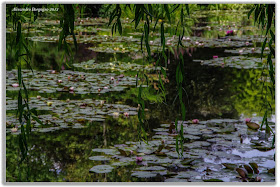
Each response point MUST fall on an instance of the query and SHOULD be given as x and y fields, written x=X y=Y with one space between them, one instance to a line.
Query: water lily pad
x=101 y=169
x=106 y=151
x=99 y=158
x=144 y=174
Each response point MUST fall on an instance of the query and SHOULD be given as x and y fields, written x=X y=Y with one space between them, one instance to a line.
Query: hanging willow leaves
x=22 y=54
x=146 y=13
x=264 y=15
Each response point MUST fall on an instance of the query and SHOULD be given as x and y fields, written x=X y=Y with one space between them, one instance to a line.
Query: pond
x=89 y=109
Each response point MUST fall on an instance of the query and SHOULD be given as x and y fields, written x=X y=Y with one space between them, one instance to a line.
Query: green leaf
x=167 y=12
x=37 y=119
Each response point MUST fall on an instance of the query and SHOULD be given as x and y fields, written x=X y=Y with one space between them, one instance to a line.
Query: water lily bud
x=15 y=85
x=102 y=102
x=49 y=103
x=71 y=89
x=126 y=114
x=139 y=159
x=115 y=114
x=247 y=43
x=99 y=90
x=241 y=51
x=14 y=129
x=247 y=120
x=195 y=121
x=53 y=72
x=59 y=81
x=112 y=78
x=229 y=32
x=38 y=97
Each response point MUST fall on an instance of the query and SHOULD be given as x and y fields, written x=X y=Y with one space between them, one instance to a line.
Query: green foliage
x=264 y=16
x=67 y=25
x=20 y=48
x=161 y=13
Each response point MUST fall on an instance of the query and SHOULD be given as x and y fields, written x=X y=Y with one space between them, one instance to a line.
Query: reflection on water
x=253 y=153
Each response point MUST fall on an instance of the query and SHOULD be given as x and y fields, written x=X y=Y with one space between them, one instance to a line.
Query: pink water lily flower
x=229 y=32
x=38 y=97
x=247 y=120
x=53 y=72
x=59 y=81
x=71 y=89
x=15 y=85
x=112 y=78
x=215 y=56
x=126 y=114
x=195 y=121
x=139 y=159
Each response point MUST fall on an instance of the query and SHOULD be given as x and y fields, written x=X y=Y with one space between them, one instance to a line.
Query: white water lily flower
x=14 y=129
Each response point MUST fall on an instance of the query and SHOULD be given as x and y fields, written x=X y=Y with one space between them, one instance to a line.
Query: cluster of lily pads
x=76 y=82
x=117 y=66
x=240 y=62
x=67 y=113
x=134 y=43
x=86 y=38
x=247 y=50
x=216 y=150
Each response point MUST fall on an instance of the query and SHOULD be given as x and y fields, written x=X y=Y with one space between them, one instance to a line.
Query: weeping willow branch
x=146 y=14
x=264 y=16
x=22 y=54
